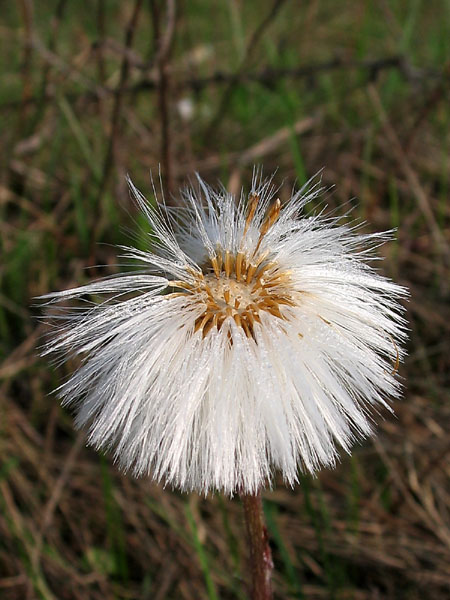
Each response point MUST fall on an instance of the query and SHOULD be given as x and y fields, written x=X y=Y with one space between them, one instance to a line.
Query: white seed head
x=252 y=340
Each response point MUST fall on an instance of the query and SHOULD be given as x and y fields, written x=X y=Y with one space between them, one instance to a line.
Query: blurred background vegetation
x=91 y=91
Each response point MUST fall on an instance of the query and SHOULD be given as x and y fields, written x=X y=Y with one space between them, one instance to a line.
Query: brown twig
x=161 y=61
x=69 y=70
x=163 y=43
x=257 y=34
x=116 y=114
x=268 y=76
x=98 y=49
x=408 y=171
x=52 y=42
x=26 y=7
x=55 y=497
x=101 y=36
x=438 y=93
x=261 y=563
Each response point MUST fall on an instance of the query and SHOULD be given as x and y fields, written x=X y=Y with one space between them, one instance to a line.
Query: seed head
x=252 y=340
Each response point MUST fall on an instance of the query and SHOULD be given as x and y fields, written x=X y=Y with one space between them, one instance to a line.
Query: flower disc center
x=239 y=288
x=230 y=293
x=239 y=285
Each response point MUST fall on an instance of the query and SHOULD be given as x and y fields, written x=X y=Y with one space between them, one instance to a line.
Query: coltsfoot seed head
x=255 y=340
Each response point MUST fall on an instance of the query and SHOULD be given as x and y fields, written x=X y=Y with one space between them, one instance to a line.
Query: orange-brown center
x=240 y=286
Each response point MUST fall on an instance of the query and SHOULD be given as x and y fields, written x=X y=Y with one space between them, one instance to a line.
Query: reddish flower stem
x=261 y=564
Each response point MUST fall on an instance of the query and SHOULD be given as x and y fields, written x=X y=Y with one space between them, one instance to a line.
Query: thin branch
x=161 y=61
x=268 y=77
x=26 y=7
x=409 y=172
x=116 y=114
x=437 y=94
x=164 y=42
x=55 y=498
x=257 y=34
x=52 y=44
x=100 y=43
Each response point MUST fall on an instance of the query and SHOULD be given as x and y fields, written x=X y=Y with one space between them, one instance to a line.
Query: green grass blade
x=201 y=554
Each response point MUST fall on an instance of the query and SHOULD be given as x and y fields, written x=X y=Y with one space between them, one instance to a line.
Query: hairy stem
x=260 y=558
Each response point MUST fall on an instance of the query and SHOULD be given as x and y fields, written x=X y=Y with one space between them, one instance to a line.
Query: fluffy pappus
x=252 y=340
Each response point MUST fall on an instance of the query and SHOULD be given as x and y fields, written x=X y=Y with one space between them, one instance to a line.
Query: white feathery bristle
x=253 y=340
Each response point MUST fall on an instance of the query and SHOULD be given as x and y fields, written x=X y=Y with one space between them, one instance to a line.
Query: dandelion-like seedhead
x=252 y=340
